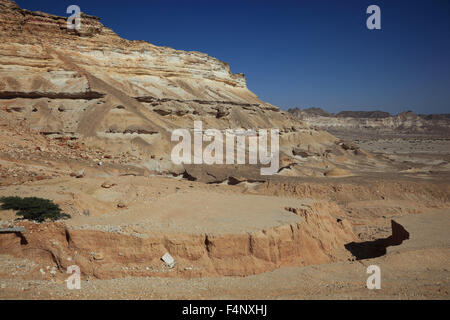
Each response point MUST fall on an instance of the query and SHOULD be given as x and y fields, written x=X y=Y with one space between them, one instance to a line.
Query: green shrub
x=33 y=208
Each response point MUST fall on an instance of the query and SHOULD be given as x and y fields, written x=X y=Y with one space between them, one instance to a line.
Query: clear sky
x=305 y=53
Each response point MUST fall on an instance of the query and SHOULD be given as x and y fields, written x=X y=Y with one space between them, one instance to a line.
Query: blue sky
x=305 y=53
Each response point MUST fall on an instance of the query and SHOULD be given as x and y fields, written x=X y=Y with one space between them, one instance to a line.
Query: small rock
x=168 y=259
x=108 y=185
x=121 y=205
x=79 y=174
x=98 y=256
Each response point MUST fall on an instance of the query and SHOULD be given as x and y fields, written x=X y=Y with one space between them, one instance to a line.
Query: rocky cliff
x=122 y=97
x=92 y=83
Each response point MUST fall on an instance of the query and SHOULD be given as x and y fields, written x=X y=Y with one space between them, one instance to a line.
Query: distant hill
x=442 y=116
x=310 y=112
x=363 y=114
x=375 y=123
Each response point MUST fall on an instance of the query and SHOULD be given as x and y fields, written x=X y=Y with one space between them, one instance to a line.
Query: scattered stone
x=168 y=259
x=300 y=152
x=97 y=255
x=108 y=185
x=121 y=205
x=347 y=145
x=79 y=174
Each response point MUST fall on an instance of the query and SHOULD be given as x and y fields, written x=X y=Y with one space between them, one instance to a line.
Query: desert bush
x=33 y=208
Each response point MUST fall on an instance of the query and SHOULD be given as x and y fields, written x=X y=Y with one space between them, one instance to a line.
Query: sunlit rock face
x=141 y=68
x=124 y=96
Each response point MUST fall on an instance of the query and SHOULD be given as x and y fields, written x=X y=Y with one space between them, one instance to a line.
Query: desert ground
x=85 y=121
x=119 y=249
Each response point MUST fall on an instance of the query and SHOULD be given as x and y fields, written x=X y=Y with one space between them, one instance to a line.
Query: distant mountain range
x=375 y=123
x=376 y=114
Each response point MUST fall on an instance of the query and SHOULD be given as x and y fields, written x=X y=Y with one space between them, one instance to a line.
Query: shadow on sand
x=377 y=248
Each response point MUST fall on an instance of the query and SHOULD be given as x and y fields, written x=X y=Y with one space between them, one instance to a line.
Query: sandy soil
x=402 y=276
x=418 y=268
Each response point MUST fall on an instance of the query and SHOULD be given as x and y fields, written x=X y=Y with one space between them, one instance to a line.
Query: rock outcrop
x=126 y=97
x=93 y=84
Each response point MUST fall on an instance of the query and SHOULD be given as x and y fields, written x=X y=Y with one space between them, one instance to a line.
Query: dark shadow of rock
x=377 y=248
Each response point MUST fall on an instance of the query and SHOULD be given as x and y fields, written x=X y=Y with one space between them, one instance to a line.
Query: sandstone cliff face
x=143 y=69
x=124 y=96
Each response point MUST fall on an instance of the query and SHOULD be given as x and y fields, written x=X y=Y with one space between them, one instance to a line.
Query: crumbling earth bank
x=318 y=238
